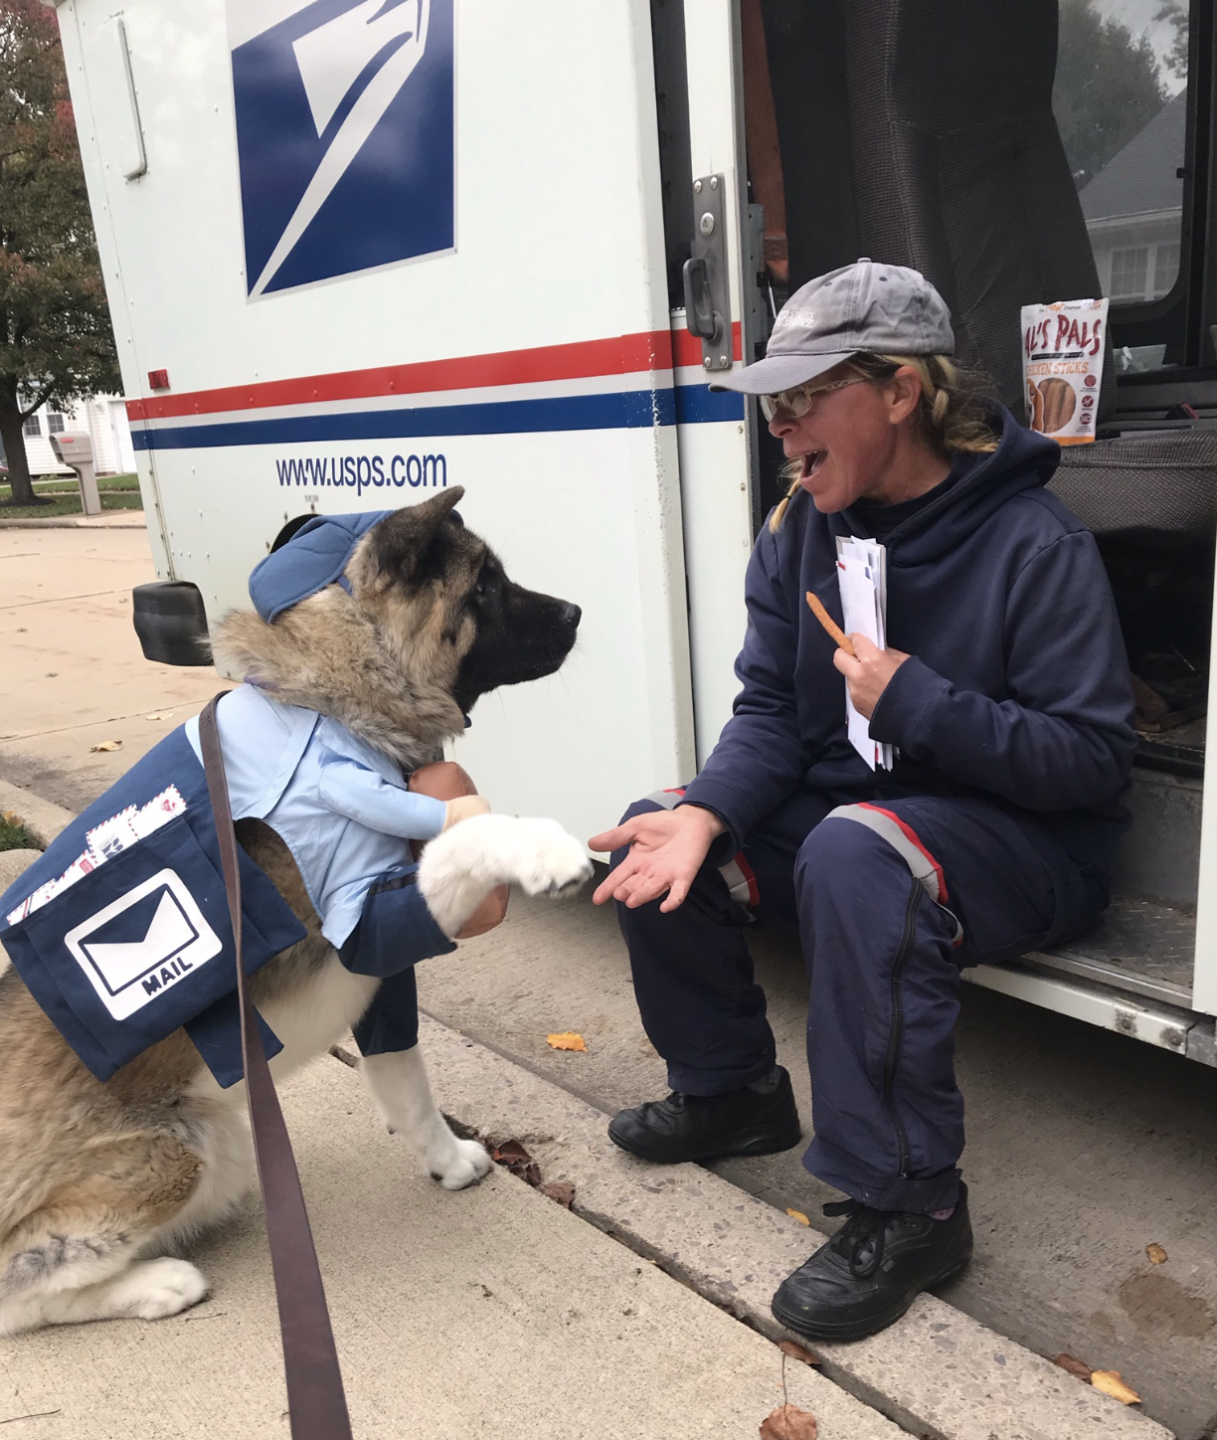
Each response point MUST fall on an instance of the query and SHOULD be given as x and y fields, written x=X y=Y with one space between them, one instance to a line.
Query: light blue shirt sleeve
x=353 y=790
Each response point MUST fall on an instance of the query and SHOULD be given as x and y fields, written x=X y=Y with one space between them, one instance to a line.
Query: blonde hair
x=949 y=417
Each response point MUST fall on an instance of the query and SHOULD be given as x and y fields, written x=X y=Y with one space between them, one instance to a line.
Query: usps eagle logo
x=143 y=943
x=345 y=135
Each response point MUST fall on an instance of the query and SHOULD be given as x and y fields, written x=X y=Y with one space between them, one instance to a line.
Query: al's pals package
x=1063 y=367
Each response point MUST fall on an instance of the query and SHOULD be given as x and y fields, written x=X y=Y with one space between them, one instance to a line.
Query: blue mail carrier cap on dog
x=313 y=558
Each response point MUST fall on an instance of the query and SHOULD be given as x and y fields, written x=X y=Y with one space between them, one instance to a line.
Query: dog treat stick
x=825 y=619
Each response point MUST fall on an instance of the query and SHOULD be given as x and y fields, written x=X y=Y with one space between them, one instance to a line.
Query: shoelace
x=860 y=1239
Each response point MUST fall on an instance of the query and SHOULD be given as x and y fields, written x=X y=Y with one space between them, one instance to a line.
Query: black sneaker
x=871 y=1271
x=757 y=1120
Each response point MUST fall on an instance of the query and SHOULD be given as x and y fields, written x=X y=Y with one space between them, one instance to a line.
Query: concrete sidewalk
x=74 y=674
x=491 y=1311
x=577 y=1315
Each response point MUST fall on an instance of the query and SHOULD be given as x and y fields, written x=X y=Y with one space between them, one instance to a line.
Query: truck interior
x=1017 y=153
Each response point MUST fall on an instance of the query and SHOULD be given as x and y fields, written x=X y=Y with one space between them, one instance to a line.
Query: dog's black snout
x=571 y=615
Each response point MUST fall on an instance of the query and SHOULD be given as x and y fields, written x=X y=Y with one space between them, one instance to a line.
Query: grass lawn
x=118 y=492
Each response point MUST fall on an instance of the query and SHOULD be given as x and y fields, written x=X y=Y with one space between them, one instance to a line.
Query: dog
x=101 y=1181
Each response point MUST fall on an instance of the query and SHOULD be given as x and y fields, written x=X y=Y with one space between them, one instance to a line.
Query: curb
x=72 y=522
x=937 y=1373
x=40 y=817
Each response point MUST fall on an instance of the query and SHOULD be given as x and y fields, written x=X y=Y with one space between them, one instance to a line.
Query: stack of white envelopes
x=862 y=576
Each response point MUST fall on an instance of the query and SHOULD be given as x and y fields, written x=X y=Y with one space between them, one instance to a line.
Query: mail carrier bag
x=129 y=938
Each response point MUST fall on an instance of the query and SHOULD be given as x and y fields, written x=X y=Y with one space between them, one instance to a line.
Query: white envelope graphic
x=130 y=974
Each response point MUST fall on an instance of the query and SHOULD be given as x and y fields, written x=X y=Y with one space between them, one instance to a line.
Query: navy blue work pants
x=884 y=959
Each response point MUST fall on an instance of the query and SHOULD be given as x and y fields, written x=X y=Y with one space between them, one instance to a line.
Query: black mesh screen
x=1165 y=480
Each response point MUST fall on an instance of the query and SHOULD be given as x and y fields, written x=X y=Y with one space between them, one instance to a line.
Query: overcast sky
x=1138 y=16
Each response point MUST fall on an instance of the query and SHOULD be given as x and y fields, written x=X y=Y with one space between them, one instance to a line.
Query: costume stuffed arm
x=351 y=789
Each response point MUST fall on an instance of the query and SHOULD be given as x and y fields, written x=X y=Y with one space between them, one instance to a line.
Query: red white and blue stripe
x=627 y=382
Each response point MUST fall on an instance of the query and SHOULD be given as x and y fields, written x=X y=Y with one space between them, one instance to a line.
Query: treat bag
x=1063 y=348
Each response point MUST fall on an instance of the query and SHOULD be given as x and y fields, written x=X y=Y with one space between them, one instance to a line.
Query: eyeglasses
x=798 y=402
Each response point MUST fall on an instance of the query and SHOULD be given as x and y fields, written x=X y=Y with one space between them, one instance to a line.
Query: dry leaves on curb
x=106 y=745
x=788 y=1422
x=797 y=1352
x=160 y=715
x=1111 y=1382
x=521 y=1164
x=1077 y=1368
x=567 y=1040
x=1157 y=1256
x=799 y=1216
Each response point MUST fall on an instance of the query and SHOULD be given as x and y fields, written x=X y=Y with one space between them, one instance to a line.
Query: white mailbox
x=74 y=448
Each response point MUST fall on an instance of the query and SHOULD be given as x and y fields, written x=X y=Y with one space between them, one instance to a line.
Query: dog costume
x=120 y=930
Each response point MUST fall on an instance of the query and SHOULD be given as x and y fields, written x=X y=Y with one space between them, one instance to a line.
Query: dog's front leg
x=460 y=867
x=398 y=1085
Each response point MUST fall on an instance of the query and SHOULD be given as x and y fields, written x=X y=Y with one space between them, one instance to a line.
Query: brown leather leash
x=316 y=1400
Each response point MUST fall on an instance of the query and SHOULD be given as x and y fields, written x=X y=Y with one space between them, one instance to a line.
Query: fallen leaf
x=560 y=1190
x=799 y=1216
x=160 y=715
x=1157 y=1256
x=796 y=1352
x=568 y=1040
x=10 y=817
x=521 y=1164
x=106 y=745
x=788 y=1422
x=1111 y=1382
x=1076 y=1367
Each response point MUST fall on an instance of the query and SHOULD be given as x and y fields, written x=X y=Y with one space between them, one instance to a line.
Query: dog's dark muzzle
x=527 y=639
x=551 y=629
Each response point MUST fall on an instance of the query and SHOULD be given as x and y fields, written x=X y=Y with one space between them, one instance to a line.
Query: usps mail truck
x=360 y=250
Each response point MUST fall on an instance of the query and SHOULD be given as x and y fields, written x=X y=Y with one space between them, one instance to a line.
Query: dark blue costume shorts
x=891 y=901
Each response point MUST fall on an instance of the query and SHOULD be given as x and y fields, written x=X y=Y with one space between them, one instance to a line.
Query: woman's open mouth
x=811 y=463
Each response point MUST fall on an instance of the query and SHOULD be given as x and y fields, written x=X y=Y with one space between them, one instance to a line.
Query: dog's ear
x=403 y=538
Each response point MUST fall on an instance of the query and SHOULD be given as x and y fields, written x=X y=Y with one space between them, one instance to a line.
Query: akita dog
x=98 y=1180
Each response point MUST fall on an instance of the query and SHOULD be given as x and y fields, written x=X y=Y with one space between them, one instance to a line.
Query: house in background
x=1134 y=209
x=104 y=417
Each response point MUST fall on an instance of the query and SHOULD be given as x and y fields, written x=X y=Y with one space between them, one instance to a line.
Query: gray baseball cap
x=864 y=307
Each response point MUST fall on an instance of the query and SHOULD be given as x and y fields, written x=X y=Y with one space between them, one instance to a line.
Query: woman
x=1005 y=692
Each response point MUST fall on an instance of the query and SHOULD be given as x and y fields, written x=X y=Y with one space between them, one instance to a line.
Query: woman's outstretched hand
x=867 y=672
x=667 y=849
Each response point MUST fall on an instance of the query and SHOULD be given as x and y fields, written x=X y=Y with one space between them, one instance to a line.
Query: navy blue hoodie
x=1017 y=687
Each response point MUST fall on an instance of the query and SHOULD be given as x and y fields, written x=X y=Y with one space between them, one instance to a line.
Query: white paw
x=159 y=1288
x=548 y=860
x=458 y=1163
